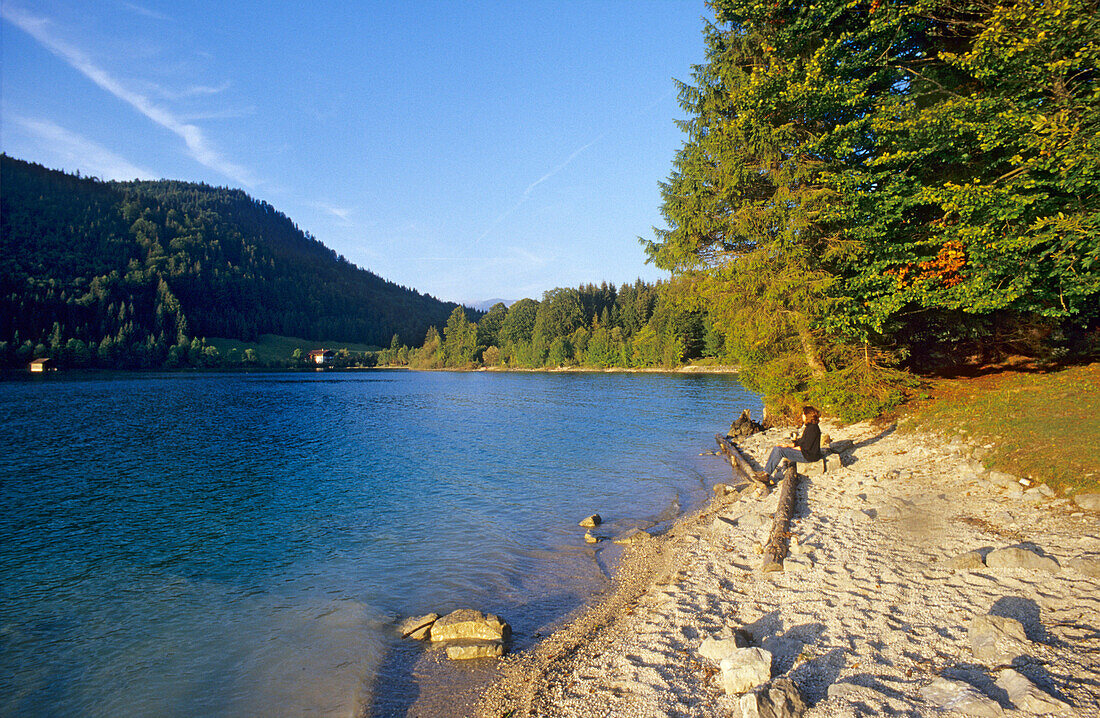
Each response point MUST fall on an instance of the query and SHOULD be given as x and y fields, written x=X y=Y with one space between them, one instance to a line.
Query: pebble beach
x=917 y=583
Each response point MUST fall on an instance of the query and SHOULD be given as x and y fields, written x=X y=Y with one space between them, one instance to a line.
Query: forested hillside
x=130 y=274
x=868 y=186
x=636 y=325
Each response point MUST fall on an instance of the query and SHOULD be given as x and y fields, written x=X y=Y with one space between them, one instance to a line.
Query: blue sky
x=469 y=150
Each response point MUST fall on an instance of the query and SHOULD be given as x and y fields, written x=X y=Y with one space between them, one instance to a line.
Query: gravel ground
x=867 y=612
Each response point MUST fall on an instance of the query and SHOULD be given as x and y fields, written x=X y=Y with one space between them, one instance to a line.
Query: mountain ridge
x=131 y=269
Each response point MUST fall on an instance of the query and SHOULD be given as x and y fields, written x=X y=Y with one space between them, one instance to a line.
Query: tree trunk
x=741 y=467
x=809 y=346
x=776 y=549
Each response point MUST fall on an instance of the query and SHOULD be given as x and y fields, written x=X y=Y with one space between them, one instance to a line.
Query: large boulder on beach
x=840 y=446
x=716 y=649
x=466 y=623
x=1017 y=557
x=997 y=640
x=969 y=561
x=1027 y=696
x=743 y=426
x=466 y=649
x=1088 y=501
x=417 y=627
x=779 y=699
x=950 y=695
x=1085 y=565
x=744 y=669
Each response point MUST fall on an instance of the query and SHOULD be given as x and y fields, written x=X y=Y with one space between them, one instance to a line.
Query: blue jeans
x=783 y=452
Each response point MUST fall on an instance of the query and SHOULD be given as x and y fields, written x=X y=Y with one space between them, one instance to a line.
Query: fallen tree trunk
x=741 y=467
x=776 y=549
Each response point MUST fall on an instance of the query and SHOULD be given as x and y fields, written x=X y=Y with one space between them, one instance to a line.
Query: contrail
x=527 y=192
x=531 y=187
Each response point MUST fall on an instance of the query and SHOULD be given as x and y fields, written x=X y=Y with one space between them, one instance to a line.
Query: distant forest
x=139 y=274
x=597 y=326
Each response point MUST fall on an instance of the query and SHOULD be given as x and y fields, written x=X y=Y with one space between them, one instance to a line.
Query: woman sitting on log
x=805 y=448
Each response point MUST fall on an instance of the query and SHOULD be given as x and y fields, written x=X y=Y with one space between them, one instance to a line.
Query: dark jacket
x=810 y=442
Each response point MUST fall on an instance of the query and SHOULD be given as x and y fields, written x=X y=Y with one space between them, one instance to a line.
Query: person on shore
x=806 y=448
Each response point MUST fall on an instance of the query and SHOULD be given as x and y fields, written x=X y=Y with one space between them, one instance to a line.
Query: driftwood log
x=776 y=549
x=741 y=467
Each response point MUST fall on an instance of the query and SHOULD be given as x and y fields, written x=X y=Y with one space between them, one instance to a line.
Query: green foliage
x=131 y=269
x=560 y=352
x=900 y=176
x=518 y=325
x=460 y=346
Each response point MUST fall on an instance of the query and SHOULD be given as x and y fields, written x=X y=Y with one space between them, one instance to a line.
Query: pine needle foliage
x=891 y=179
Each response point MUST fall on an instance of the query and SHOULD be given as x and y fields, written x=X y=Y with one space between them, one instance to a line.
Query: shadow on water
x=395 y=688
x=416 y=679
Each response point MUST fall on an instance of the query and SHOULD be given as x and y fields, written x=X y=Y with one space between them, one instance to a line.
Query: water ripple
x=243 y=543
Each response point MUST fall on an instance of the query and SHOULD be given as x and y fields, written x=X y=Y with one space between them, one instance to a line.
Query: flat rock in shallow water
x=632 y=536
x=417 y=627
x=469 y=648
x=466 y=623
x=962 y=697
x=1016 y=557
x=591 y=521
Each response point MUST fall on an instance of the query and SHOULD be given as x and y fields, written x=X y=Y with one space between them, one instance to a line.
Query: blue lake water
x=243 y=544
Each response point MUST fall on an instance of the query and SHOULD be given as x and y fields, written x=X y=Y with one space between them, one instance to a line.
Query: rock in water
x=631 y=536
x=778 y=699
x=997 y=640
x=962 y=697
x=745 y=669
x=1026 y=695
x=1016 y=557
x=470 y=648
x=417 y=627
x=466 y=623
x=592 y=521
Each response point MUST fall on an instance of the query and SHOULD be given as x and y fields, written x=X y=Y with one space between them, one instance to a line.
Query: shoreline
x=870 y=610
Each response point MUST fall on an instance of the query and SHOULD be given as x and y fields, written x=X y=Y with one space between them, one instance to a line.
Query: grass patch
x=272 y=348
x=1042 y=424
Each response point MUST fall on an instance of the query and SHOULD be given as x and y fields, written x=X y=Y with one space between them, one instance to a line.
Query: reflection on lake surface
x=241 y=544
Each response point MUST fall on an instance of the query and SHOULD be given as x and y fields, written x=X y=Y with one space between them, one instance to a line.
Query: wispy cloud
x=188 y=92
x=218 y=114
x=341 y=213
x=531 y=188
x=77 y=152
x=144 y=11
x=198 y=146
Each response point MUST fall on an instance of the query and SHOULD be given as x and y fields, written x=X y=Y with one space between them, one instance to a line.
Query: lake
x=243 y=544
